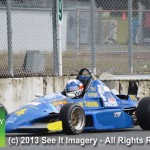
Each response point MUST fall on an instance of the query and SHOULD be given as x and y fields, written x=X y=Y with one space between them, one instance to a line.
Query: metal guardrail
x=110 y=77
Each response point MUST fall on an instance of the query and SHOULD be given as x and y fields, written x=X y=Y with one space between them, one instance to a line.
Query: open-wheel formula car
x=98 y=109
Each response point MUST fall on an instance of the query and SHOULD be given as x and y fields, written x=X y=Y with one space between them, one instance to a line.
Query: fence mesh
x=89 y=26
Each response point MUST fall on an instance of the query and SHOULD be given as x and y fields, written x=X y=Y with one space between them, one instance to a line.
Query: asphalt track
x=105 y=140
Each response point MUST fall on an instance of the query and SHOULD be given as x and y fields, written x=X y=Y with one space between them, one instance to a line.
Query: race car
x=99 y=108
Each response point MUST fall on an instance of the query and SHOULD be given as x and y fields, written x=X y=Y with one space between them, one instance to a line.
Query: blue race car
x=97 y=109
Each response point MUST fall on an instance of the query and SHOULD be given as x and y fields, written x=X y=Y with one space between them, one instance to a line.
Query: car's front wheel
x=143 y=113
x=73 y=118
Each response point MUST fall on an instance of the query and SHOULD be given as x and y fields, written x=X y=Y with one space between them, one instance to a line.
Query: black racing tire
x=3 y=107
x=143 y=113
x=73 y=118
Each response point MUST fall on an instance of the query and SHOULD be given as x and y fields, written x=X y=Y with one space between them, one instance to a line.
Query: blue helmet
x=74 y=88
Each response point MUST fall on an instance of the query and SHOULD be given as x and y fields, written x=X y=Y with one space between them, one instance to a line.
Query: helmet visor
x=72 y=88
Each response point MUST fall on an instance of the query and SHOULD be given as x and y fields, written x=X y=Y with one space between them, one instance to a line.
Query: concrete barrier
x=15 y=92
x=18 y=91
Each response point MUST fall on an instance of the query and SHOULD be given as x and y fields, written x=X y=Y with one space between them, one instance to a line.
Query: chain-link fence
x=104 y=35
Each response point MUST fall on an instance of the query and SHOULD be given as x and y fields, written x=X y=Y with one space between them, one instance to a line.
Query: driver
x=74 y=88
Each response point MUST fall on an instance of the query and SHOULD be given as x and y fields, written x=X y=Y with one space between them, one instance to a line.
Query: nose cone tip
x=10 y=124
x=8 y=129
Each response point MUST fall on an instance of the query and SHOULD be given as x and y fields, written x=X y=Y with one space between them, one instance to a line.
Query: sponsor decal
x=91 y=104
x=59 y=103
x=34 y=103
x=93 y=88
x=117 y=114
x=100 y=89
x=92 y=94
x=21 y=112
x=2 y=128
x=111 y=102
x=80 y=103
x=11 y=120
x=133 y=97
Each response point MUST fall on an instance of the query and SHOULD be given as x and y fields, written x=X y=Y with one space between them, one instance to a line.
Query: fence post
x=140 y=17
x=59 y=36
x=130 y=52
x=9 y=37
x=78 y=31
x=54 y=38
x=93 y=49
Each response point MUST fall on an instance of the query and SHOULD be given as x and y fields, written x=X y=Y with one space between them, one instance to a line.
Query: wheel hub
x=75 y=118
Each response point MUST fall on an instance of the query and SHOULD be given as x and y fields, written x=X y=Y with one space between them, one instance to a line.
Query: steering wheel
x=86 y=80
x=83 y=70
x=91 y=74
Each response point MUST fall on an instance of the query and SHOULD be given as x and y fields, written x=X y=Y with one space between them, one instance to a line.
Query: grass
x=117 y=63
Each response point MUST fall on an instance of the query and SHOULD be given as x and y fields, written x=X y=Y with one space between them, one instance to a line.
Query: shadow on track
x=84 y=132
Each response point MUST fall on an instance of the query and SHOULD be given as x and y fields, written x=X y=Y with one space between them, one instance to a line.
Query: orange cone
x=123 y=16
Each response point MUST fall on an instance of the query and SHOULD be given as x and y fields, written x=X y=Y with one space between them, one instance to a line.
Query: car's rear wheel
x=73 y=118
x=143 y=113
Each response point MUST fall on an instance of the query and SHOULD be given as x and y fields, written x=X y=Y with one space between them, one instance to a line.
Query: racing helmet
x=74 y=88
